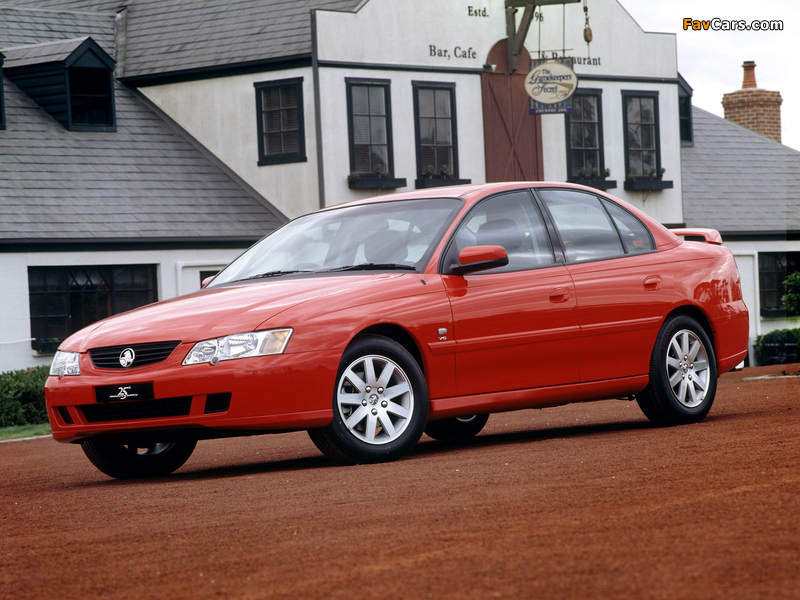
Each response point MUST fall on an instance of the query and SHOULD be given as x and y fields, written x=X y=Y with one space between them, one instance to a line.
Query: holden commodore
x=371 y=322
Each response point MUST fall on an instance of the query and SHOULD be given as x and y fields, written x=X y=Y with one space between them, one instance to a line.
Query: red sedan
x=371 y=322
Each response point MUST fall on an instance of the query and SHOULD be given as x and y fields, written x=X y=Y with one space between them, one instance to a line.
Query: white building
x=401 y=53
x=289 y=106
x=747 y=186
x=104 y=205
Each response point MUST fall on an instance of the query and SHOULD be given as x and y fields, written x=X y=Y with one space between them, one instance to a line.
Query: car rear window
x=634 y=234
x=585 y=227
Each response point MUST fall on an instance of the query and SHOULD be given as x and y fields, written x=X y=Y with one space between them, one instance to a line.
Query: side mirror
x=480 y=258
x=206 y=281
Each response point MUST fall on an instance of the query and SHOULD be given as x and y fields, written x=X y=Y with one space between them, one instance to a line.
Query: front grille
x=143 y=409
x=145 y=354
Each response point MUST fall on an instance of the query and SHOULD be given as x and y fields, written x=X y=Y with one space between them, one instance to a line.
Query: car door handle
x=652 y=283
x=559 y=295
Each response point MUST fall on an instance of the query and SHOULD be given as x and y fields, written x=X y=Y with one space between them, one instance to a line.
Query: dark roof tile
x=142 y=181
x=735 y=180
x=164 y=36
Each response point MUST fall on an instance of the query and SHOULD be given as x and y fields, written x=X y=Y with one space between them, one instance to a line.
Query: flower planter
x=376 y=183
x=648 y=184
x=595 y=182
x=433 y=182
x=45 y=346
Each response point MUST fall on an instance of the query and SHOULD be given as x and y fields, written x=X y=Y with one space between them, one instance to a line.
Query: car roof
x=472 y=193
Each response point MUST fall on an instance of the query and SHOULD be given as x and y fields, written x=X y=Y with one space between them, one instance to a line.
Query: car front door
x=624 y=287
x=515 y=327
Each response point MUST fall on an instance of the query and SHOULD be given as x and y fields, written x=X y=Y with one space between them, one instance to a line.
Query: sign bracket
x=516 y=36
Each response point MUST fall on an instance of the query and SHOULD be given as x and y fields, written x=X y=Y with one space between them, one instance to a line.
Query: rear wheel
x=683 y=374
x=380 y=404
x=134 y=460
x=457 y=428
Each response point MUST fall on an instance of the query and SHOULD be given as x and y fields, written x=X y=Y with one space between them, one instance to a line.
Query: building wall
x=178 y=273
x=619 y=47
x=664 y=205
x=443 y=41
x=620 y=50
x=388 y=32
x=620 y=57
x=335 y=141
x=746 y=255
x=221 y=114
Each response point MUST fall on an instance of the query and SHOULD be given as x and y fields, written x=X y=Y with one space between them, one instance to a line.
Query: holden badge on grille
x=127 y=357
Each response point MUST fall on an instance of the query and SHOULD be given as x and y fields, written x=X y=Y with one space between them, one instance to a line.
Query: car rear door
x=515 y=327
x=624 y=286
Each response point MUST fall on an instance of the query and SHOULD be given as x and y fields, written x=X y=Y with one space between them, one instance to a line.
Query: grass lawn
x=23 y=431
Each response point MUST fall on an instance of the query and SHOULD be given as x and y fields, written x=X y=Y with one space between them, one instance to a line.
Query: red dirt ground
x=583 y=501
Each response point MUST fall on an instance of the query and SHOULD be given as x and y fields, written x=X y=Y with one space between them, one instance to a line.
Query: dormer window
x=90 y=97
x=2 y=104
x=73 y=80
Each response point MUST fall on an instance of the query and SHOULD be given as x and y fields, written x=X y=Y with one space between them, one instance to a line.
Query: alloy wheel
x=375 y=399
x=687 y=368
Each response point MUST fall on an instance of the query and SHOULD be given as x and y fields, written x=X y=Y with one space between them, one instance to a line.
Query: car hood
x=217 y=311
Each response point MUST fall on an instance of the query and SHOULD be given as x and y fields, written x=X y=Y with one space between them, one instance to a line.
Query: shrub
x=22 y=397
x=792 y=296
x=776 y=347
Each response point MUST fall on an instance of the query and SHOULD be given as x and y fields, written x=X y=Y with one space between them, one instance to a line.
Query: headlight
x=239 y=345
x=66 y=363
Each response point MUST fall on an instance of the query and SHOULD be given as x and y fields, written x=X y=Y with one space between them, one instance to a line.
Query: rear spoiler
x=711 y=236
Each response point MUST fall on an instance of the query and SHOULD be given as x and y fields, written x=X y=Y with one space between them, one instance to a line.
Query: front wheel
x=134 y=460
x=380 y=404
x=683 y=374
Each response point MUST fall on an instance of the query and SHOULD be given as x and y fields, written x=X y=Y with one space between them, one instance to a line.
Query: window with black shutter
x=643 y=170
x=435 y=117
x=281 y=132
x=585 y=158
x=773 y=269
x=369 y=121
x=642 y=155
x=64 y=300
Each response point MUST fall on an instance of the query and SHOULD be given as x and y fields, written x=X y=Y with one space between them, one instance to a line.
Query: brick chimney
x=758 y=110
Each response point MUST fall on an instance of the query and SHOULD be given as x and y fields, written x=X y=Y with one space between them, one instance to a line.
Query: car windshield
x=396 y=235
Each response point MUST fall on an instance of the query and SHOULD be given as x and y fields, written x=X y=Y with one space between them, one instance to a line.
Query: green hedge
x=777 y=347
x=791 y=299
x=22 y=397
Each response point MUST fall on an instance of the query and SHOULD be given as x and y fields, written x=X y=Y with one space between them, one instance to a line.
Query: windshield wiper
x=276 y=274
x=374 y=267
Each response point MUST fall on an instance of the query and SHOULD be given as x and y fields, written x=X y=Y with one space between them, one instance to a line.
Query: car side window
x=513 y=222
x=634 y=234
x=584 y=225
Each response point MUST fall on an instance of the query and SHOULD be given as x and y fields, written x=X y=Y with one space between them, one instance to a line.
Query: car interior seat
x=386 y=246
x=501 y=232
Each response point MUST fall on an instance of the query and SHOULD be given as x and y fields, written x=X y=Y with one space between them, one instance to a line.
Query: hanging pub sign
x=550 y=84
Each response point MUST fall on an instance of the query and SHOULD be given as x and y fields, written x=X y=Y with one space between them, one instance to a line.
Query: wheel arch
x=690 y=310
x=398 y=334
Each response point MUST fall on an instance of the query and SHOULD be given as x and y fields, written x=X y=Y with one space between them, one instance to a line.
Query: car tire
x=380 y=404
x=128 y=461
x=456 y=429
x=683 y=374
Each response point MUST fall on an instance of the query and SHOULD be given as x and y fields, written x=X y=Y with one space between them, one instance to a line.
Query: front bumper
x=281 y=392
